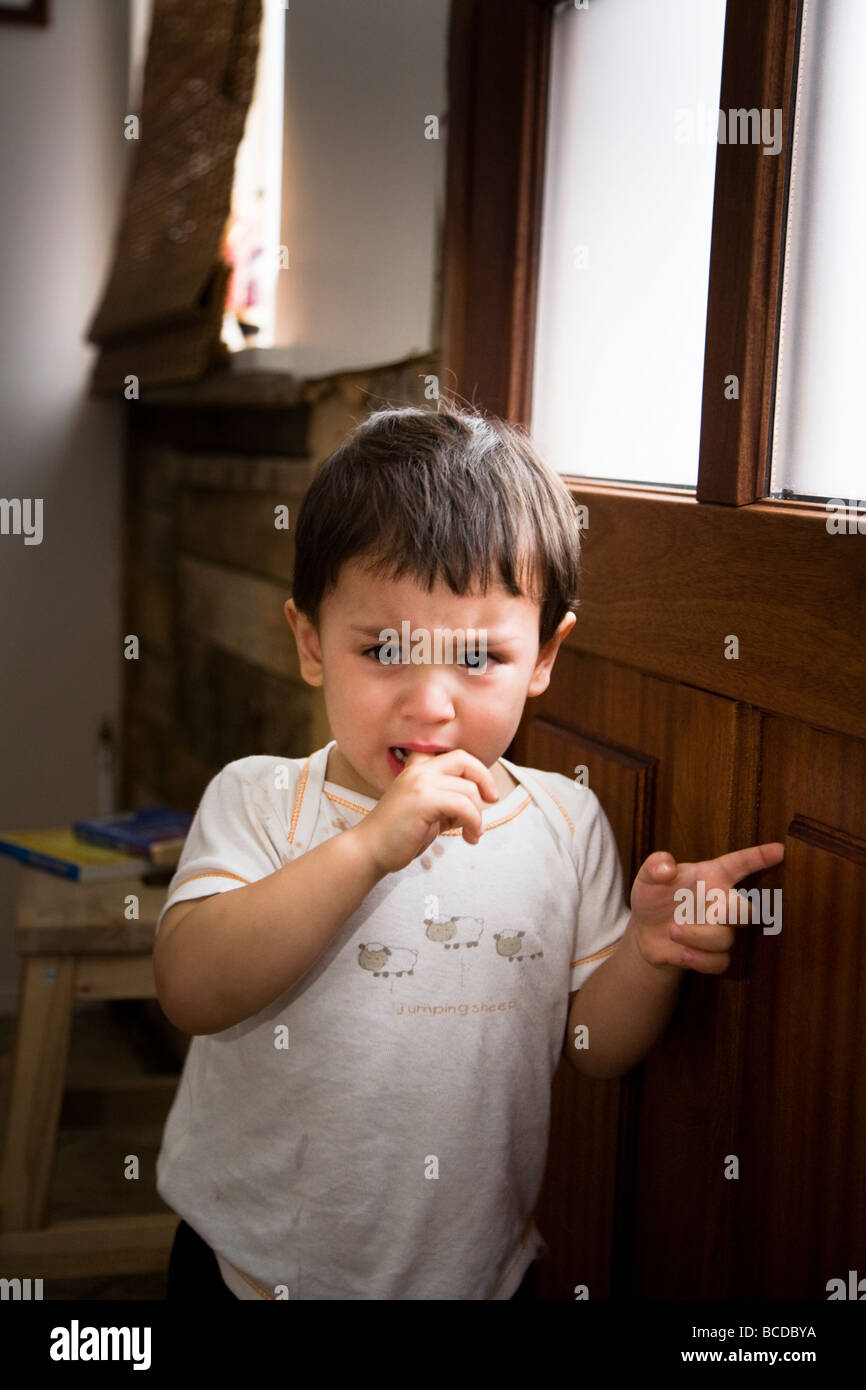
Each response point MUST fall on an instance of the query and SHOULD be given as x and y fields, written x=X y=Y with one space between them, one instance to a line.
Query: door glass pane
x=633 y=125
x=818 y=434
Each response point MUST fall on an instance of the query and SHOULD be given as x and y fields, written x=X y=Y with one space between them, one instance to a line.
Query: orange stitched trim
x=214 y=873
x=365 y=810
x=252 y=1283
x=299 y=796
x=597 y=956
x=458 y=830
x=562 y=809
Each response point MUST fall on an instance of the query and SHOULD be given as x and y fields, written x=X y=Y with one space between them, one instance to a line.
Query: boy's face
x=373 y=707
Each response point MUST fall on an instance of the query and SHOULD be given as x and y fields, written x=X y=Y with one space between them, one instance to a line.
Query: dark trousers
x=193 y=1272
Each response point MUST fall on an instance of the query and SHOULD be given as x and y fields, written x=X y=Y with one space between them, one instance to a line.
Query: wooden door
x=729 y=1163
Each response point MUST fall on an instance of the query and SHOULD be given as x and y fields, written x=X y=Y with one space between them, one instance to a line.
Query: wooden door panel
x=763 y=1064
x=622 y=779
x=577 y=1209
x=675 y=768
x=802 y=1208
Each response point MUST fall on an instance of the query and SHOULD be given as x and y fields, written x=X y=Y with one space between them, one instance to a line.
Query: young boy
x=381 y=950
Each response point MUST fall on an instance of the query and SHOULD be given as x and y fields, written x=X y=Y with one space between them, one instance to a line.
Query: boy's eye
x=472 y=662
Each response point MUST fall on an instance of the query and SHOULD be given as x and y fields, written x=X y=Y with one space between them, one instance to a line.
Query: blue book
x=58 y=851
x=156 y=833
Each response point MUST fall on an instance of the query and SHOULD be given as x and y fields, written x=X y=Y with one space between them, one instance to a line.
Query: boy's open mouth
x=401 y=754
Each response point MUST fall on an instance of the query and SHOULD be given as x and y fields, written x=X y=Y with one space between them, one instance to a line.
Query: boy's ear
x=307 y=639
x=547 y=655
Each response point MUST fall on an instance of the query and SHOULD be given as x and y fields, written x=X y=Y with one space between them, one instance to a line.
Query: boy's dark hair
x=445 y=493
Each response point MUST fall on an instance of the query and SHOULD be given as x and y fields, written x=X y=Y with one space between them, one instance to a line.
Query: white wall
x=63 y=162
x=361 y=182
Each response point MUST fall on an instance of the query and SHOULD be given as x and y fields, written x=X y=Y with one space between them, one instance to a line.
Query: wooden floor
x=116 y=1047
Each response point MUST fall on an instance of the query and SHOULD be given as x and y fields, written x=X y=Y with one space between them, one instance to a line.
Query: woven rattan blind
x=162 y=307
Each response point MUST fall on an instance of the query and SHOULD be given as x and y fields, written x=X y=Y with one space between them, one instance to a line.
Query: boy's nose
x=426 y=697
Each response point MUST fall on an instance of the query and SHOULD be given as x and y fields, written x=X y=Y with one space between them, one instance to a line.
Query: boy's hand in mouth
x=432 y=792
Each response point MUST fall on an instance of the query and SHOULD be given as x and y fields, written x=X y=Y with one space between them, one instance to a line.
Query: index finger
x=459 y=763
x=740 y=863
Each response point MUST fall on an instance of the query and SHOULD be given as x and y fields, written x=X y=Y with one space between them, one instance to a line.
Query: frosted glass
x=625 y=238
x=818 y=448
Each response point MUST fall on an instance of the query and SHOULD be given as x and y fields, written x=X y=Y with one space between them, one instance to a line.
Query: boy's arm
x=626 y=1005
x=235 y=952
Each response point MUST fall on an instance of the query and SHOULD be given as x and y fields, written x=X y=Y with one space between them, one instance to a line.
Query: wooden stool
x=75 y=943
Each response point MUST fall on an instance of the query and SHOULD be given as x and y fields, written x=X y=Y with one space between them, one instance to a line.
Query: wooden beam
x=746 y=255
x=90 y=1247
x=497 y=65
x=681 y=595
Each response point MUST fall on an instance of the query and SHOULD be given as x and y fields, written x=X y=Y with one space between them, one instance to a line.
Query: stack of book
x=124 y=845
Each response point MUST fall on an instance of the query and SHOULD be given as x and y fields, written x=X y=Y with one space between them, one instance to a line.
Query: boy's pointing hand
x=684 y=914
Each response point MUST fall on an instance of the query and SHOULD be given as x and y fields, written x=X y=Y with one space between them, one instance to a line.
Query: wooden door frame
x=809 y=586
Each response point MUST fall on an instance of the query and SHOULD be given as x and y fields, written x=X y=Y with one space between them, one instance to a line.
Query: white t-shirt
x=380 y=1130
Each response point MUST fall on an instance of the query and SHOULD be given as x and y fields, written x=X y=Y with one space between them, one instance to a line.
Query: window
x=817 y=437
x=633 y=123
x=252 y=238
x=338 y=193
